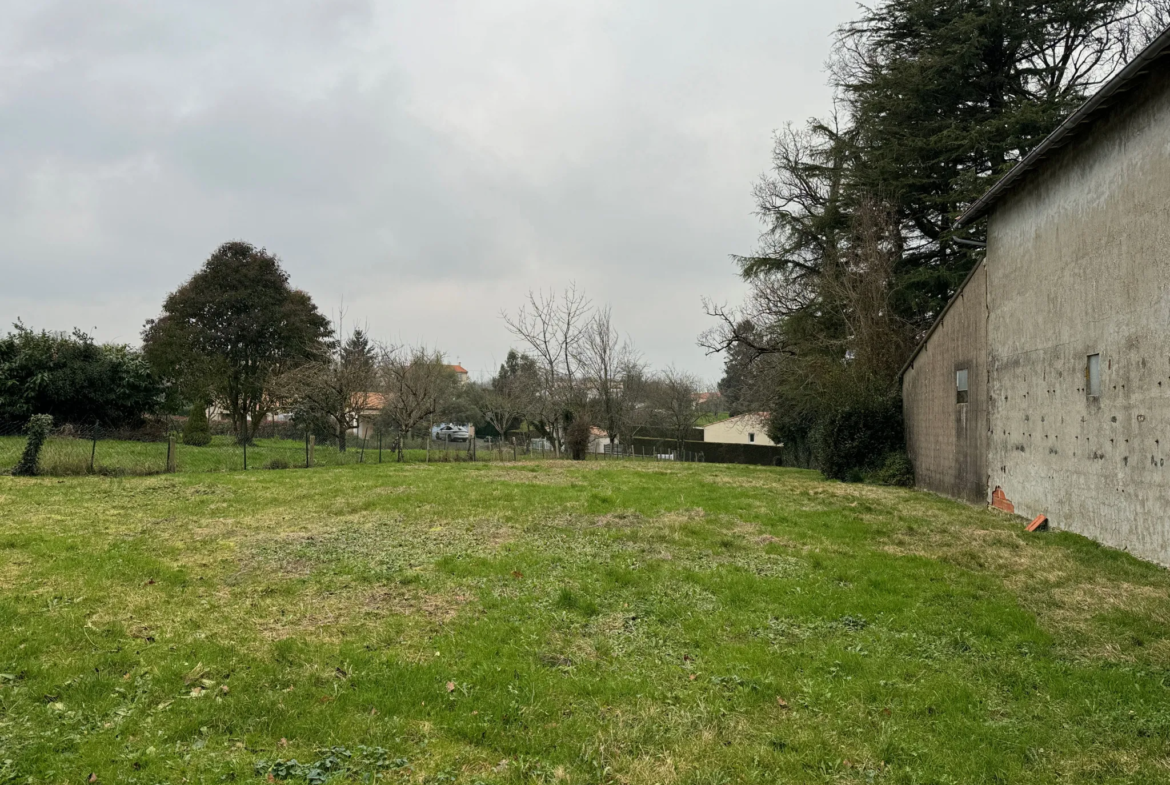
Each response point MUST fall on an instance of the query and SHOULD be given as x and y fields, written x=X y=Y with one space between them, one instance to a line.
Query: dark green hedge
x=853 y=440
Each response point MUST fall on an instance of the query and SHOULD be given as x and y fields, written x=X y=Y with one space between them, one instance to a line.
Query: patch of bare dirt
x=440 y=608
x=526 y=477
x=739 y=482
x=621 y=519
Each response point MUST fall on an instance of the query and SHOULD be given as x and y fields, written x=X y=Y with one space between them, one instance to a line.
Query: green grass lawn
x=627 y=623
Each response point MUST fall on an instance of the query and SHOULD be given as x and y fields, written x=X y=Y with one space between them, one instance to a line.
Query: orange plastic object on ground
x=1040 y=523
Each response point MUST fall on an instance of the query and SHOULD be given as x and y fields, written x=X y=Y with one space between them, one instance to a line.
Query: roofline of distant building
x=760 y=415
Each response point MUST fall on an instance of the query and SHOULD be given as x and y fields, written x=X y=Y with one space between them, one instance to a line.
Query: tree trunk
x=240 y=425
x=341 y=434
x=253 y=428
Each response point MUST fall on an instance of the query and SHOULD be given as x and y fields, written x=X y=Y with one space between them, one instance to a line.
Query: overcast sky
x=426 y=162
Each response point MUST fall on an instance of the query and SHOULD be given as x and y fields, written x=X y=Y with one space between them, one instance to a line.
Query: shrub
x=277 y=463
x=577 y=437
x=197 y=431
x=855 y=438
x=37 y=429
x=897 y=471
x=74 y=380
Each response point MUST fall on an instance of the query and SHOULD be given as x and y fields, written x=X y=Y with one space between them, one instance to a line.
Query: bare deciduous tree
x=337 y=389
x=674 y=400
x=416 y=384
x=1154 y=21
x=861 y=287
x=553 y=326
x=613 y=374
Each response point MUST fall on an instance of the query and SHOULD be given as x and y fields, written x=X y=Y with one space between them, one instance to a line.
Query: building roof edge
x=1067 y=130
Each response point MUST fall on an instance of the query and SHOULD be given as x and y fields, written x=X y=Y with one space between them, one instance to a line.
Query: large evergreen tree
x=937 y=99
x=944 y=97
x=232 y=329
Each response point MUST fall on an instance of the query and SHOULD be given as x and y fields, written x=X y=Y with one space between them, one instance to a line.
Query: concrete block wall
x=1079 y=264
x=947 y=440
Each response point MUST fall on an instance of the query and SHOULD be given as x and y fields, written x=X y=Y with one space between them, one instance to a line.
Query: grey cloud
x=426 y=162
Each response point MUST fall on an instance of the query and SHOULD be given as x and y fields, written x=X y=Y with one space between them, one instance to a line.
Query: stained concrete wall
x=947 y=440
x=1079 y=263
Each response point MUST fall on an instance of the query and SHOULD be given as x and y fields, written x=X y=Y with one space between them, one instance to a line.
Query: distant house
x=374 y=403
x=708 y=401
x=599 y=441
x=744 y=429
x=460 y=373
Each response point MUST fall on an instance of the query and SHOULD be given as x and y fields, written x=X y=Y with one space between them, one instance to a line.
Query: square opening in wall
x=962 y=395
x=1093 y=376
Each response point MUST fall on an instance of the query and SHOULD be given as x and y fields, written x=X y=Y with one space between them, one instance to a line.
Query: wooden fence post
x=312 y=449
x=93 y=452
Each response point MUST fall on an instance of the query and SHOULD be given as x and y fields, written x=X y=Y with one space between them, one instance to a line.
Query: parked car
x=446 y=432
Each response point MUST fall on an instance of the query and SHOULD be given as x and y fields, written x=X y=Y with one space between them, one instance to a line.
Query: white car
x=451 y=433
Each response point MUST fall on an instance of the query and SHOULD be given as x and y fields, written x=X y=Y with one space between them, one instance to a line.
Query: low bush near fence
x=37 y=431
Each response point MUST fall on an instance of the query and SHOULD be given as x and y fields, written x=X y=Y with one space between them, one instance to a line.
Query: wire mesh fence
x=158 y=448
